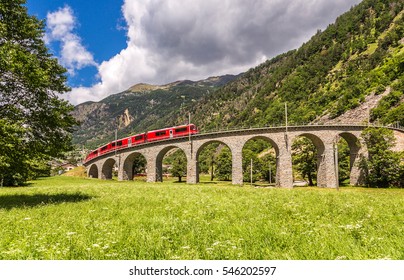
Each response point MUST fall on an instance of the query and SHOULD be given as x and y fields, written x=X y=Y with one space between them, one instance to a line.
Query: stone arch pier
x=324 y=137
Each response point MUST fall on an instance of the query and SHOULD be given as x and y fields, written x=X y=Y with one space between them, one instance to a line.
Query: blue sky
x=100 y=25
x=110 y=45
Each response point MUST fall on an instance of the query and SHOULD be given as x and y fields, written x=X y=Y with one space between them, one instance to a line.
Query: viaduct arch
x=324 y=137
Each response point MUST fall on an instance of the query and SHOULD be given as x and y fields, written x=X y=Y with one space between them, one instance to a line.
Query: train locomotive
x=150 y=136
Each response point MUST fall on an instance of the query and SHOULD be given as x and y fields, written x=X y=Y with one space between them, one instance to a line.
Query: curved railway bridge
x=324 y=138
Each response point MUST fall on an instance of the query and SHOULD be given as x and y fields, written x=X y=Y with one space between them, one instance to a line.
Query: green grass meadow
x=78 y=218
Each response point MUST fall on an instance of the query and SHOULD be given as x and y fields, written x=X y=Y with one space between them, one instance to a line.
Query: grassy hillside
x=76 y=218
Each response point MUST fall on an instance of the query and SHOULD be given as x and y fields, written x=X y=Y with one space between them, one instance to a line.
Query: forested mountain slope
x=140 y=108
x=358 y=60
x=350 y=72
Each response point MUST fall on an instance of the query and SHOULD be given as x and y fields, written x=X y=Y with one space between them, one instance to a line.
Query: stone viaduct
x=324 y=138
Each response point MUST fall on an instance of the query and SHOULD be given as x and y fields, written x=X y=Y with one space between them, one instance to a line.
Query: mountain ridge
x=139 y=108
x=359 y=55
x=352 y=69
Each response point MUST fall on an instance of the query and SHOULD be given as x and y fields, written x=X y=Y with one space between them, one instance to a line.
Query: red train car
x=112 y=146
x=92 y=155
x=120 y=144
x=138 y=139
x=155 y=135
x=171 y=132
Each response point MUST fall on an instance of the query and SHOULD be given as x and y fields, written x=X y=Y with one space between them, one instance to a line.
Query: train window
x=95 y=152
x=119 y=143
x=113 y=144
x=160 y=133
x=104 y=148
x=139 y=137
x=192 y=127
x=182 y=129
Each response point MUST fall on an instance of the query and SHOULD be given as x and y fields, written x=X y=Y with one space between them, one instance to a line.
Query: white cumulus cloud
x=176 y=39
x=73 y=54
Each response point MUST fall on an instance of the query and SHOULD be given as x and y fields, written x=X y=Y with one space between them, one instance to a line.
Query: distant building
x=68 y=166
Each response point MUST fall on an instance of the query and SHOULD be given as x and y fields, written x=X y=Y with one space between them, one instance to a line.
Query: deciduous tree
x=179 y=165
x=31 y=80
x=383 y=167
x=305 y=158
x=224 y=165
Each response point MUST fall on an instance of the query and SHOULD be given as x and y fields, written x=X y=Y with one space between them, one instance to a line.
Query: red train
x=155 y=135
